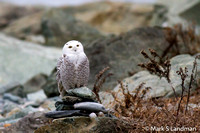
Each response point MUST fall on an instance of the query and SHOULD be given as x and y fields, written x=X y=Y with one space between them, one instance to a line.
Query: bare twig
x=191 y=81
x=100 y=80
x=183 y=74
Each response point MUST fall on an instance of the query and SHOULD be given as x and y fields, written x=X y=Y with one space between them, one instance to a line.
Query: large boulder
x=21 y=60
x=160 y=86
x=122 y=53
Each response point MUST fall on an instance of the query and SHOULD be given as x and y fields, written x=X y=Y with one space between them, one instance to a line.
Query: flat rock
x=90 y=106
x=82 y=92
x=65 y=113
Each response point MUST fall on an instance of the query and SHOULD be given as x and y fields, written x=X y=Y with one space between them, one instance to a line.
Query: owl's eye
x=70 y=47
x=77 y=45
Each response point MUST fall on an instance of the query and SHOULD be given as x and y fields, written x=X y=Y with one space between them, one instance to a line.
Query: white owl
x=72 y=68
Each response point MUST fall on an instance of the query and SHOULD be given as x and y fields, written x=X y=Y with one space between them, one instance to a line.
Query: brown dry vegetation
x=159 y=114
x=138 y=113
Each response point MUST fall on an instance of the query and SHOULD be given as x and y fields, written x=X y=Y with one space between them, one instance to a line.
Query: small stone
x=101 y=114
x=93 y=116
x=82 y=92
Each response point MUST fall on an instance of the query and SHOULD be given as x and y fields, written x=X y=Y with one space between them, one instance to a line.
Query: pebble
x=93 y=116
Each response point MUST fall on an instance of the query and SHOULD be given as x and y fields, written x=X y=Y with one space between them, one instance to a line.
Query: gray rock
x=21 y=60
x=160 y=86
x=82 y=92
x=90 y=106
x=13 y=98
x=38 y=96
x=122 y=53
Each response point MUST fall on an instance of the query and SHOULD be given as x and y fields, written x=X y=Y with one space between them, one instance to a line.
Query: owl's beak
x=75 y=49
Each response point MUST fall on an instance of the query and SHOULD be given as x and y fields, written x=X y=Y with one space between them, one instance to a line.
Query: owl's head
x=73 y=47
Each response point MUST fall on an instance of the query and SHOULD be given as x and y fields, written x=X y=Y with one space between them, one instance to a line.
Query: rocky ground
x=113 y=34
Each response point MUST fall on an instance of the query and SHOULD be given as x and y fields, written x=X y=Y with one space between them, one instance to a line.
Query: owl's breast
x=76 y=60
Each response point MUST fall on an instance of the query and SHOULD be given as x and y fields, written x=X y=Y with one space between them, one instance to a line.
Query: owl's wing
x=58 y=77
x=59 y=62
x=84 y=71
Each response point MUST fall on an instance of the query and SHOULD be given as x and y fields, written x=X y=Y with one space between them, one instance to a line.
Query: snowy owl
x=72 y=68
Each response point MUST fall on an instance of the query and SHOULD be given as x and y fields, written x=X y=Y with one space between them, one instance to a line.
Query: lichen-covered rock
x=81 y=125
